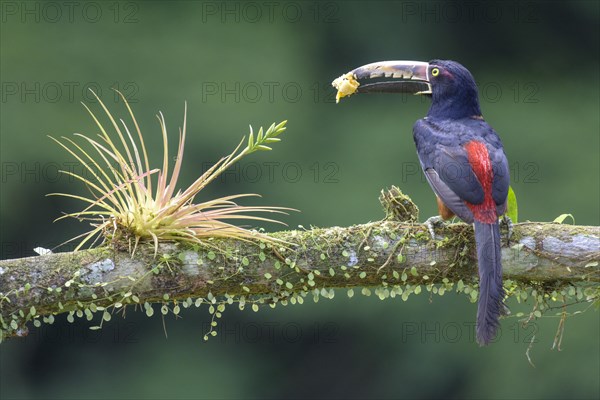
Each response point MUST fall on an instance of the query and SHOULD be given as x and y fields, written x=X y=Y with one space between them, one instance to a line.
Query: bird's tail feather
x=491 y=291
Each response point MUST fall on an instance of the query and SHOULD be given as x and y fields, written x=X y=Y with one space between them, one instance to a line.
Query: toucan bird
x=462 y=158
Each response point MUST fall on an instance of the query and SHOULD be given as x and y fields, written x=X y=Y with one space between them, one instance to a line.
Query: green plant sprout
x=127 y=205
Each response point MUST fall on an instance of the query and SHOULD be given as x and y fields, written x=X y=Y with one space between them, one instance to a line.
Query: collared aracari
x=462 y=158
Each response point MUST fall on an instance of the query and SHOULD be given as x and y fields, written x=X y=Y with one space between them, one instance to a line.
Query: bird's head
x=451 y=86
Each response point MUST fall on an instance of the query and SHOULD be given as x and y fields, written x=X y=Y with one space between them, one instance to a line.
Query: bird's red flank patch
x=479 y=159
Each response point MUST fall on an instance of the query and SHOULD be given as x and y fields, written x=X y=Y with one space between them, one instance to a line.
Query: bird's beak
x=406 y=77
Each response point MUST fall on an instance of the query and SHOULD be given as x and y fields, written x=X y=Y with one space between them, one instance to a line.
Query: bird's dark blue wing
x=445 y=161
x=448 y=197
x=447 y=169
x=453 y=167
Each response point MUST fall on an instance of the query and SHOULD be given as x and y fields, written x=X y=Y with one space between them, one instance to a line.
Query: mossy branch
x=393 y=253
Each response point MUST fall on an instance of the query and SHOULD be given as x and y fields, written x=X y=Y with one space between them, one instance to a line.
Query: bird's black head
x=453 y=91
x=451 y=86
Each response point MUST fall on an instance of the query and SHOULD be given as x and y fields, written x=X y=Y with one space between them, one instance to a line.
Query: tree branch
x=394 y=253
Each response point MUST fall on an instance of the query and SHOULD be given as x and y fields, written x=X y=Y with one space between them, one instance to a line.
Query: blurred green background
x=239 y=63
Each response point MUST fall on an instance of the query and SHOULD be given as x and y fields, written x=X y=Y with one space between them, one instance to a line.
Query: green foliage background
x=538 y=63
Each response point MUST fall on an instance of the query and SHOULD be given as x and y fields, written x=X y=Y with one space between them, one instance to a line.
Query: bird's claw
x=507 y=222
x=431 y=223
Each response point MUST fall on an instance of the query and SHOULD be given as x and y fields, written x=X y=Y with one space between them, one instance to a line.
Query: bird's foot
x=431 y=223
x=508 y=224
x=504 y=310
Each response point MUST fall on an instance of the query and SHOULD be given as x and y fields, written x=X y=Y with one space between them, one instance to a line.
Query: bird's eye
x=435 y=72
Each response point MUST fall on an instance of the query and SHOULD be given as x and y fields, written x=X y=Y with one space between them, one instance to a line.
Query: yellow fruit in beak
x=345 y=85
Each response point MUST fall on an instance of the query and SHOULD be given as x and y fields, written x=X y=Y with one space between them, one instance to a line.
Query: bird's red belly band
x=479 y=159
